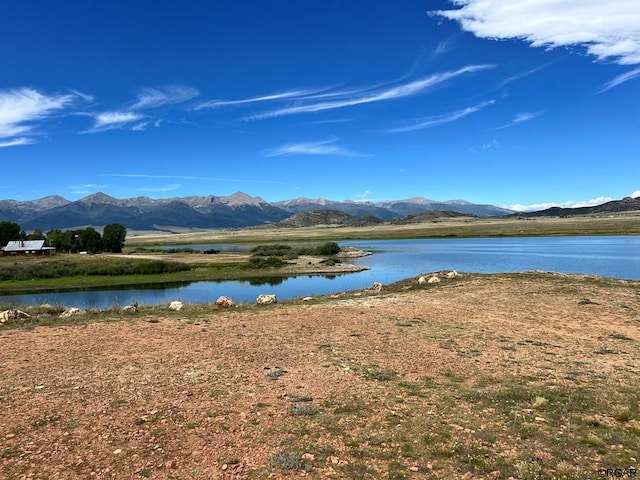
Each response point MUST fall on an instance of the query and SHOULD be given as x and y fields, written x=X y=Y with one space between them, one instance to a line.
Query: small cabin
x=27 y=247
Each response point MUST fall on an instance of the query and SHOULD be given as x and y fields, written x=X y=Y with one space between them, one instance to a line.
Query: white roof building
x=16 y=247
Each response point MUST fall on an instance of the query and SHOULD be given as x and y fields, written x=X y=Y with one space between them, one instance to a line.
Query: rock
x=176 y=305
x=306 y=299
x=377 y=286
x=72 y=312
x=452 y=274
x=7 y=315
x=225 y=302
x=434 y=279
x=308 y=457
x=352 y=252
x=422 y=281
x=130 y=308
x=266 y=299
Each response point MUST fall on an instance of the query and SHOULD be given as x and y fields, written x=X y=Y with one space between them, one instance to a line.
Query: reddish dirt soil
x=191 y=396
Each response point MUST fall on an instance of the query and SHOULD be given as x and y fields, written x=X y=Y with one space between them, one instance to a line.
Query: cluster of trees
x=275 y=255
x=81 y=240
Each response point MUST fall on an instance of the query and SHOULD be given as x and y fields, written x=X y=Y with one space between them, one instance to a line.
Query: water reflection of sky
x=393 y=260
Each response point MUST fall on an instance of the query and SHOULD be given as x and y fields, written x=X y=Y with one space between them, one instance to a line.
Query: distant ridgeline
x=242 y=210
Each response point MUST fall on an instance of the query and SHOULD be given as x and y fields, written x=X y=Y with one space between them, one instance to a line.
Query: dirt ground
x=494 y=376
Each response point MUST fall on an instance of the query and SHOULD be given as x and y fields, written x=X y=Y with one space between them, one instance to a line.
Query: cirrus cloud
x=111 y=120
x=22 y=111
x=157 y=97
x=324 y=147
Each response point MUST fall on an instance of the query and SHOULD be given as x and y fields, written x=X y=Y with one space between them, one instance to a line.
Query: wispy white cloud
x=263 y=98
x=445 y=46
x=357 y=97
x=16 y=142
x=165 y=188
x=131 y=118
x=428 y=122
x=157 y=97
x=491 y=144
x=520 y=118
x=569 y=204
x=521 y=75
x=112 y=120
x=324 y=147
x=620 y=79
x=364 y=195
x=146 y=175
x=87 y=188
x=607 y=30
x=139 y=127
x=22 y=111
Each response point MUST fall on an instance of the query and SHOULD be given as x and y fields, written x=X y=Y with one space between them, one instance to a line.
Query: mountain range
x=237 y=210
x=243 y=210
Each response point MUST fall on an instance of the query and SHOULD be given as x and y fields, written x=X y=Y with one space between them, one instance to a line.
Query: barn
x=27 y=247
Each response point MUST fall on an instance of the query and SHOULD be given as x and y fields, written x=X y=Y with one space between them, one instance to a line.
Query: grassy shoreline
x=203 y=268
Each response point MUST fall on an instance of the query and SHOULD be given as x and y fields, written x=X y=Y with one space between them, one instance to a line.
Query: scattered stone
x=434 y=279
x=308 y=457
x=72 y=312
x=117 y=451
x=8 y=315
x=266 y=299
x=306 y=299
x=130 y=308
x=352 y=252
x=377 y=286
x=422 y=281
x=176 y=305
x=452 y=274
x=225 y=302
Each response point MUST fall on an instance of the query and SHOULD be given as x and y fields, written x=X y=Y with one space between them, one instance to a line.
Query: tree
x=89 y=240
x=36 y=235
x=60 y=240
x=9 y=231
x=113 y=237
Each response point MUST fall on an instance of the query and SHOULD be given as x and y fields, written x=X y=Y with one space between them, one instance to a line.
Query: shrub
x=276 y=250
x=261 y=262
x=329 y=248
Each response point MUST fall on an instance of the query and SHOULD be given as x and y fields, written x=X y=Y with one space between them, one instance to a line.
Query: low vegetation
x=276 y=255
x=30 y=270
x=291 y=252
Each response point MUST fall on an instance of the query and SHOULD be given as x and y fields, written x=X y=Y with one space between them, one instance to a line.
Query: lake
x=392 y=260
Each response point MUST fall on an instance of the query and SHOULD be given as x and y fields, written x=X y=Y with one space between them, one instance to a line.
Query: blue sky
x=528 y=105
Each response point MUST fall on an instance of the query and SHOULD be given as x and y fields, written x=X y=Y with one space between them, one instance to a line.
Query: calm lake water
x=392 y=260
